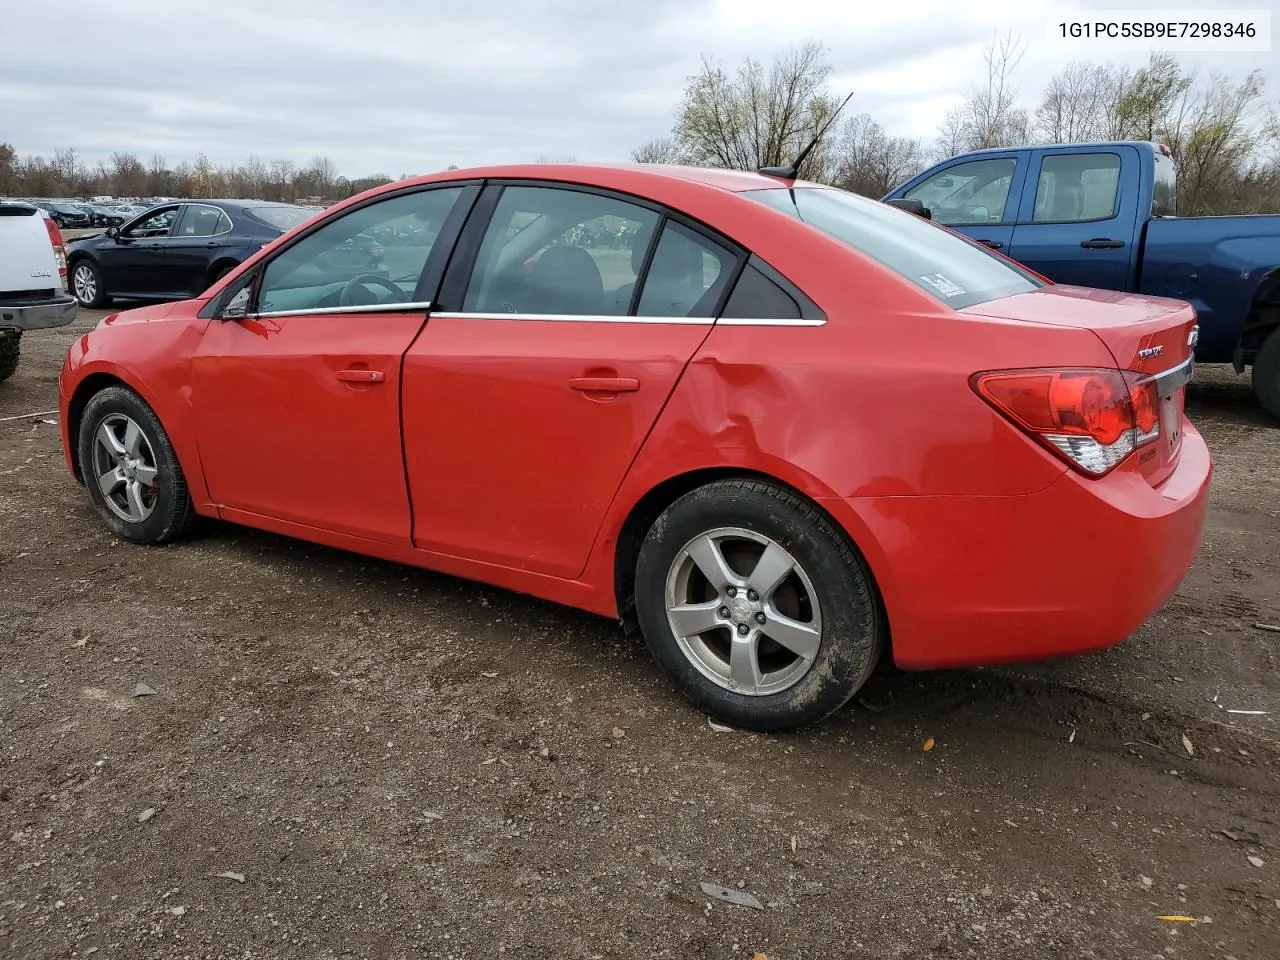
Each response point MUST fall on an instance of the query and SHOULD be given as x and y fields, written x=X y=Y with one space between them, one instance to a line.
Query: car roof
x=236 y=204
x=734 y=181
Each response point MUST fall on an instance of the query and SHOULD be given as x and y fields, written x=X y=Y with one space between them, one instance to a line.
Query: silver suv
x=33 y=278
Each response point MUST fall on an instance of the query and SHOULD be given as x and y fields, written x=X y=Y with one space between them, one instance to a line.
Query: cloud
x=400 y=86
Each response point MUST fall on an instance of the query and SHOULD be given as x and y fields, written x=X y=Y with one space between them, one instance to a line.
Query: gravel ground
x=386 y=763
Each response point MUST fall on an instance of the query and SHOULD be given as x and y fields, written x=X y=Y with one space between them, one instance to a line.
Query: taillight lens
x=1092 y=418
x=59 y=248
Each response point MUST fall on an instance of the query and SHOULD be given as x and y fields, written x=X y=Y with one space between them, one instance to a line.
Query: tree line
x=124 y=175
x=1223 y=133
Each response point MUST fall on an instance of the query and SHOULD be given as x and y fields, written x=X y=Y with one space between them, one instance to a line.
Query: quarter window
x=550 y=250
x=372 y=256
x=1077 y=187
x=967 y=193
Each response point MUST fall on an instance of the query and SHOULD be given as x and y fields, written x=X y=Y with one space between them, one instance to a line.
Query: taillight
x=59 y=248
x=1092 y=418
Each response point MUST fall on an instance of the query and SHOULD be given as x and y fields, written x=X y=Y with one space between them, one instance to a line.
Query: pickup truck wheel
x=10 y=349
x=86 y=285
x=130 y=469
x=755 y=605
x=1266 y=374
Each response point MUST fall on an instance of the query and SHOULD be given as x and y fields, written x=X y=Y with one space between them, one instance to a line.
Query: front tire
x=130 y=469
x=756 y=606
x=1266 y=374
x=10 y=354
x=86 y=285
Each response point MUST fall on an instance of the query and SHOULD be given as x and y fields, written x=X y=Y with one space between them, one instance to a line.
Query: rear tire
x=1266 y=375
x=130 y=469
x=86 y=284
x=10 y=353
x=793 y=629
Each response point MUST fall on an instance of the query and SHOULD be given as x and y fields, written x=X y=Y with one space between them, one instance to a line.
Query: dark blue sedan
x=174 y=251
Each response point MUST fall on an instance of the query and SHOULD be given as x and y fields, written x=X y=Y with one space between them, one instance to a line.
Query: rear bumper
x=38 y=314
x=972 y=581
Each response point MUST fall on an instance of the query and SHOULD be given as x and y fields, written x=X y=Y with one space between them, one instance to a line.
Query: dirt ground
x=399 y=764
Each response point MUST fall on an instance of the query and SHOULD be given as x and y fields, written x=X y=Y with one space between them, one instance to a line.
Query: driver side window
x=156 y=225
x=967 y=193
x=372 y=256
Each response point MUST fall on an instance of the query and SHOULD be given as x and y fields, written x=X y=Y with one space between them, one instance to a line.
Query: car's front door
x=197 y=238
x=297 y=405
x=528 y=396
x=133 y=262
x=977 y=197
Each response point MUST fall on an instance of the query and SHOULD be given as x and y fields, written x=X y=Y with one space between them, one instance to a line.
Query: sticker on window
x=943 y=284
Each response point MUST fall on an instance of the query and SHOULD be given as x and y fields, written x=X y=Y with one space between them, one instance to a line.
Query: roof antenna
x=789 y=171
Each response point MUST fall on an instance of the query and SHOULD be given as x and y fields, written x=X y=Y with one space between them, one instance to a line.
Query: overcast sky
x=409 y=86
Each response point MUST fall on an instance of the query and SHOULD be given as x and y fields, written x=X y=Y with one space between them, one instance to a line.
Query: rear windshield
x=283 y=217
x=957 y=272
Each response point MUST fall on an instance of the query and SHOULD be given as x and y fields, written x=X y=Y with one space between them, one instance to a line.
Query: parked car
x=782 y=429
x=174 y=250
x=65 y=215
x=1102 y=215
x=33 y=279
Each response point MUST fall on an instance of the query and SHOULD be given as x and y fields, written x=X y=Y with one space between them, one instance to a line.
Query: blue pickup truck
x=1102 y=215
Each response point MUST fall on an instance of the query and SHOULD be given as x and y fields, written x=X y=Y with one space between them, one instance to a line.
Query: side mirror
x=113 y=231
x=912 y=206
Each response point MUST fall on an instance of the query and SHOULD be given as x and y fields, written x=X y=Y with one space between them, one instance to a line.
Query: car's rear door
x=297 y=403
x=1078 y=218
x=198 y=237
x=531 y=389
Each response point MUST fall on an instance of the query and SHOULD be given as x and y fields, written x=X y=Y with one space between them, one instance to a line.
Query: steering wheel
x=345 y=298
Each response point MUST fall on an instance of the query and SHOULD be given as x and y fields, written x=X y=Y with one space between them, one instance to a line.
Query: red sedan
x=782 y=429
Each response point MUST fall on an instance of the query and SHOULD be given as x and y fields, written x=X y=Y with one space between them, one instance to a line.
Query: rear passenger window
x=1077 y=187
x=756 y=297
x=687 y=275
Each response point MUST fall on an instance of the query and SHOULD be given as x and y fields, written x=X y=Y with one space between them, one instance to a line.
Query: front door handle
x=360 y=376
x=605 y=384
x=1102 y=243
x=993 y=244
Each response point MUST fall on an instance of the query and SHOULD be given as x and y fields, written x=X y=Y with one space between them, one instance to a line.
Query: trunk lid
x=1151 y=336
x=27 y=261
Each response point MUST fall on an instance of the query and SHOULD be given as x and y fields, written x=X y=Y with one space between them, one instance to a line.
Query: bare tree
x=757 y=117
x=255 y=175
x=282 y=179
x=990 y=116
x=872 y=163
x=322 y=173
x=128 y=175
x=661 y=150
x=1079 y=103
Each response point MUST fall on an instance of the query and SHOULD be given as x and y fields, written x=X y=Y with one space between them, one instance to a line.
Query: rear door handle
x=1102 y=243
x=360 y=376
x=605 y=384
x=993 y=244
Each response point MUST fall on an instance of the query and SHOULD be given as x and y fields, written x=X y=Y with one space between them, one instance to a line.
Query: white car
x=33 y=279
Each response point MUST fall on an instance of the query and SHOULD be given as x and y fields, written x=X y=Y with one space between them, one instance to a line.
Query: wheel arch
x=1262 y=318
x=92 y=384
x=646 y=510
x=222 y=265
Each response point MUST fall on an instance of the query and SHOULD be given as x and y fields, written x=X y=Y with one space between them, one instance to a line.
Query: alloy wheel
x=124 y=467
x=743 y=611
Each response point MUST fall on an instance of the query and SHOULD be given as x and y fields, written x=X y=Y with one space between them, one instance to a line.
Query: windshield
x=957 y=272
x=283 y=217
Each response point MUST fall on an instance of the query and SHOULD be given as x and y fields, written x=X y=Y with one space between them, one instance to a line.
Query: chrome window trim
x=397 y=307
x=622 y=318
x=207 y=236
x=1176 y=377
